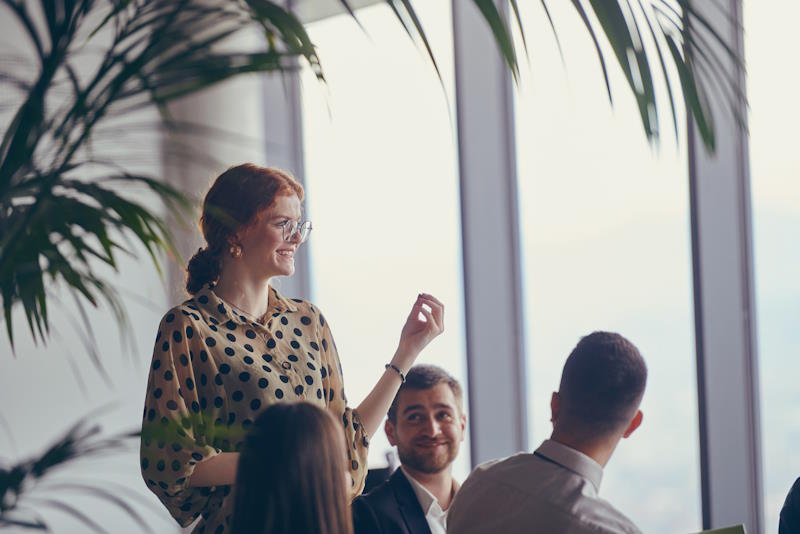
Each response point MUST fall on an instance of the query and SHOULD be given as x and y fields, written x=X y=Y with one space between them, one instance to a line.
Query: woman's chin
x=282 y=267
x=286 y=270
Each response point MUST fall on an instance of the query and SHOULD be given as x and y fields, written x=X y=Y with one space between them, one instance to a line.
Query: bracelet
x=397 y=370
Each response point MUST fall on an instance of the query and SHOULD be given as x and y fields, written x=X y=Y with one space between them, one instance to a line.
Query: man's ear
x=463 y=425
x=388 y=427
x=554 y=407
x=634 y=424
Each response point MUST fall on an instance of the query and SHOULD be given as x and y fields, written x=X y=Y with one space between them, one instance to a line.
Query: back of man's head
x=601 y=386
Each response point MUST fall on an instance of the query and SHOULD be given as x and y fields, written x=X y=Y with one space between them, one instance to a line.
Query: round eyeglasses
x=292 y=228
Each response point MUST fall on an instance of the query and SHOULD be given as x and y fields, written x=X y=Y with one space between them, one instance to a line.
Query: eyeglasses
x=292 y=228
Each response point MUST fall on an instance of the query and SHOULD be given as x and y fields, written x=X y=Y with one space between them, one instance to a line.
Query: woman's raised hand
x=425 y=322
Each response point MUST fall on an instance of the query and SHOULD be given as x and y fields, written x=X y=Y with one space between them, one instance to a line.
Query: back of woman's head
x=291 y=476
x=236 y=197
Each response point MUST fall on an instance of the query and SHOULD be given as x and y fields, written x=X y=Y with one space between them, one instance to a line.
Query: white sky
x=772 y=89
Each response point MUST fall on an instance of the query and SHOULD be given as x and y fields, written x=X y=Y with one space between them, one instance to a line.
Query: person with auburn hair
x=238 y=345
x=312 y=494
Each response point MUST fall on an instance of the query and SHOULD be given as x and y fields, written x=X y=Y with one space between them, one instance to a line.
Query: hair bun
x=202 y=269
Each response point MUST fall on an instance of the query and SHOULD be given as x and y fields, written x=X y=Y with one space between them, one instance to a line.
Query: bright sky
x=775 y=180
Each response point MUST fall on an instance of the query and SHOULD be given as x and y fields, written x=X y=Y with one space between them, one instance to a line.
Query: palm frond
x=497 y=23
x=618 y=23
x=20 y=483
x=56 y=225
x=694 y=99
x=600 y=57
x=553 y=29
x=666 y=78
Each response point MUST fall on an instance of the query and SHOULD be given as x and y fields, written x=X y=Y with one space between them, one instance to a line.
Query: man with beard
x=426 y=422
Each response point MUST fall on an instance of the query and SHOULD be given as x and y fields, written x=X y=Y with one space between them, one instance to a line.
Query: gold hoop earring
x=235 y=251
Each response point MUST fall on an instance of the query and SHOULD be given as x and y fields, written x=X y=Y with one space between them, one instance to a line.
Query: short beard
x=430 y=464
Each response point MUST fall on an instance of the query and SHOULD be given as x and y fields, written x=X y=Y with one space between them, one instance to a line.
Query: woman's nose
x=294 y=234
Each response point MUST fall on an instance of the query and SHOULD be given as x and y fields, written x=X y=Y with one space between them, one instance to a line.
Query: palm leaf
x=663 y=65
x=37 y=524
x=70 y=510
x=21 y=483
x=104 y=495
x=620 y=31
x=700 y=109
x=553 y=29
x=409 y=10
x=502 y=35
x=55 y=224
x=586 y=22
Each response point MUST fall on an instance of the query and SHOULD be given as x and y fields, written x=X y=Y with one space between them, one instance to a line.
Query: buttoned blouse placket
x=275 y=309
x=267 y=333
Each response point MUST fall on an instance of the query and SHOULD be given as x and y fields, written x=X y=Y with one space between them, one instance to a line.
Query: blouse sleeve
x=177 y=432
x=333 y=386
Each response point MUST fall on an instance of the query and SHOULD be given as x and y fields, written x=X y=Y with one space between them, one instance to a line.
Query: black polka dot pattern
x=211 y=367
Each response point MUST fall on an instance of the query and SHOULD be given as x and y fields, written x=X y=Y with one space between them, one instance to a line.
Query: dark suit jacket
x=391 y=508
x=790 y=513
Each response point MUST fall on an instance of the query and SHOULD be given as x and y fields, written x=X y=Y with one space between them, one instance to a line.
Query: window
x=606 y=246
x=383 y=192
x=774 y=170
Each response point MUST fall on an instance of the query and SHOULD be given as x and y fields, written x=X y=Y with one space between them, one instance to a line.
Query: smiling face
x=429 y=428
x=263 y=248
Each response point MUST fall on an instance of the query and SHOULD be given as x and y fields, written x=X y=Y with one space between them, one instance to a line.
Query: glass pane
x=606 y=246
x=774 y=170
x=383 y=192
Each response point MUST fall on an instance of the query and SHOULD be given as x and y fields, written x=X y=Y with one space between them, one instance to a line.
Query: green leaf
x=38 y=524
x=501 y=33
x=515 y=9
x=409 y=9
x=632 y=58
x=601 y=58
x=663 y=69
x=70 y=510
x=700 y=111
x=553 y=29
x=106 y=496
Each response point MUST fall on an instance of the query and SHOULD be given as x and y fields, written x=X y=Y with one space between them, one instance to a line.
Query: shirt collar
x=279 y=303
x=426 y=499
x=573 y=460
x=211 y=302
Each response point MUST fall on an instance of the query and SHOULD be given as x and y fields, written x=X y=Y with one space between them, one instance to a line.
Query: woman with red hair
x=238 y=345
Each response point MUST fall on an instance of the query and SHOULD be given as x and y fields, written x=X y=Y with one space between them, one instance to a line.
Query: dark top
x=790 y=513
x=391 y=508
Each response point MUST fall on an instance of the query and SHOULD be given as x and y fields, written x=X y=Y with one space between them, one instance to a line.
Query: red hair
x=235 y=199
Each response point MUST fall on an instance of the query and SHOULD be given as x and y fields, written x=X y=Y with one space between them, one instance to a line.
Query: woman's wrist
x=392 y=367
x=403 y=360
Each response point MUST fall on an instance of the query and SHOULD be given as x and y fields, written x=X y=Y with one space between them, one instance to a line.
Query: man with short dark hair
x=426 y=422
x=555 y=489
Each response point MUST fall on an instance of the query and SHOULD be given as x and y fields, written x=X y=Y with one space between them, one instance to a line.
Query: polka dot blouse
x=213 y=370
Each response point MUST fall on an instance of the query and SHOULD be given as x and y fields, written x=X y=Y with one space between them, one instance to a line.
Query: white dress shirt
x=553 y=490
x=434 y=515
